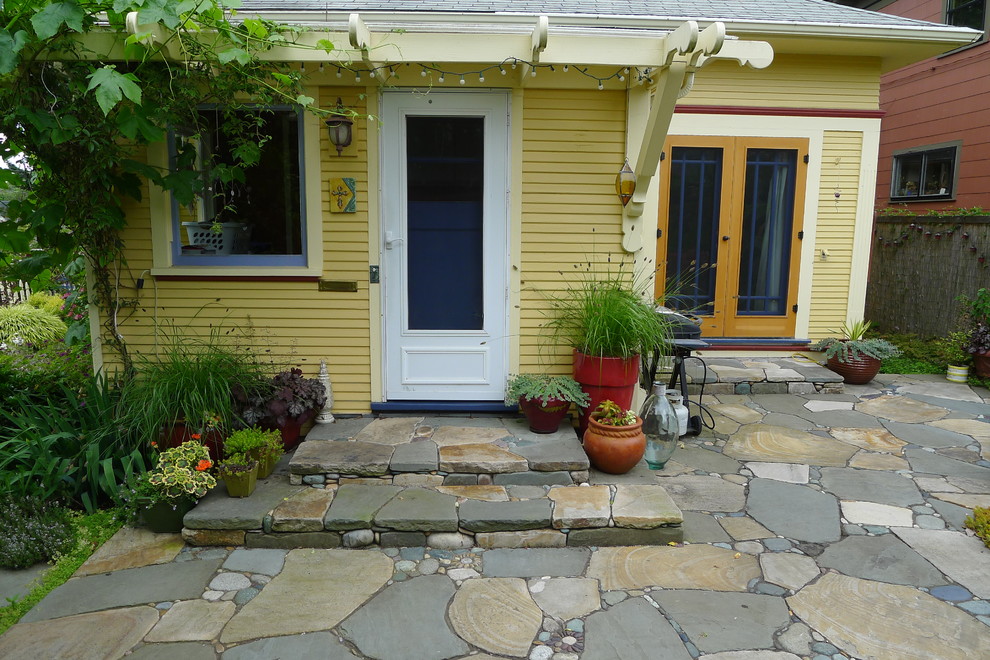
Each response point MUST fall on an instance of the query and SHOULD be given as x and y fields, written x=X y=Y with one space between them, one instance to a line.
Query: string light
x=601 y=85
x=566 y=67
x=357 y=77
x=321 y=67
x=481 y=78
x=340 y=74
x=423 y=73
x=462 y=80
x=501 y=70
x=441 y=78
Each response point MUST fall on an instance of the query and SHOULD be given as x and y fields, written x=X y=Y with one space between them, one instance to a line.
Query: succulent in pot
x=614 y=440
x=544 y=399
x=854 y=356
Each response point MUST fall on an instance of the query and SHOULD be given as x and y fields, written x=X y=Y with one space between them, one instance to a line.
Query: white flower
x=17 y=340
x=3 y=346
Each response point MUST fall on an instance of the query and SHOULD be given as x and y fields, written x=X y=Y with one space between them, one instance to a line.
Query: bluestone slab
x=871 y=486
x=184 y=650
x=417 y=628
x=323 y=645
x=882 y=558
x=535 y=562
x=724 y=621
x=549 y=456
x=809 y=515
x=533 y=479
x=481 y=516
x=929 y=463
x=265 y=562
x=963 y=558
x=218 y=511
x=631 y=630
x=415 y=457
x=342 y=429
x=134 y=586
x=355 y=505
x=364 y=459
x=927 y=436
x=419 y=510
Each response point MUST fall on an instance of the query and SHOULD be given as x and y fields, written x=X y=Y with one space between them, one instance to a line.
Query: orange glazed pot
x=614 y=449
x=855 y=371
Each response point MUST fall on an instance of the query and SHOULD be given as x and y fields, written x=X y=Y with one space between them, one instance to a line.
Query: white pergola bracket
x=541 y=35
x=360 y=38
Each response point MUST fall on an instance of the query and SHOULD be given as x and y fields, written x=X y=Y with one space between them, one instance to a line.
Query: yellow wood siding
x=841 y=157
x=573 y=145
x=792 y=81
x=288 y=322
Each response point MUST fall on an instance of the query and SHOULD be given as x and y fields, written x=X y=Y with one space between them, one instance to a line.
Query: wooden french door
x=730 y=227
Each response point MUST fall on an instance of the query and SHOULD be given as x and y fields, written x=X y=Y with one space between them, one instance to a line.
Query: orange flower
x=195 y=436
x=204 y=465
x=154 y=444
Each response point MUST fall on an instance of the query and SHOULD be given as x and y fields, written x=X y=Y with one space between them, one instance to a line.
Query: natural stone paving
x=841 y=538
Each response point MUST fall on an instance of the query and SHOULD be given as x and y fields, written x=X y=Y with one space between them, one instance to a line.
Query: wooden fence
x=12 y=293
x=920 y=265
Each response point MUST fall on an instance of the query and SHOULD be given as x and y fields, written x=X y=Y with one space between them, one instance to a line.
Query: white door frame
x=446 y=365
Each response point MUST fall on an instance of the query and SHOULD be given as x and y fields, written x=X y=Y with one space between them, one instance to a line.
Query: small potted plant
x=290 y=402
x=161 y=497
x=544 y=399
x=239 y=473
x=978 y=336
x=614 y=440
x=853 y=356
x=263 y=446
x=952 y=349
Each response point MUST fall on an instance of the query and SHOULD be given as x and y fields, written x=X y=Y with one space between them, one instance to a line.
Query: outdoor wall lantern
x=625 y=183
x=340 y=124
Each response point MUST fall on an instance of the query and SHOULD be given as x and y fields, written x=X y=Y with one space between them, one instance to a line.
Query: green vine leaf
x=111 y=86
x=160 y=11
x=10 y=46
x=242 y=56
x=47 y=22
x=325 y=44
x=304 y=100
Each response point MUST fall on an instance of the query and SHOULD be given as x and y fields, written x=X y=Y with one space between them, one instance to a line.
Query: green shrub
x=46 y=301
x=979 y=522
x=24 y=324
x=247 y=440
x=33 y=530
x=39 y=371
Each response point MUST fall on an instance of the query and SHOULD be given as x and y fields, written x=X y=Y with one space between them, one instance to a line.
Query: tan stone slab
x=724 y=425
x=869 y=460
x=496 y=614
x=192 y=621
x=777 y=444
x=580 y=506
x=413 y=479
x=303 y=511
x=727 y=374
x=205 y=537
x=567 y=598
x=486 y=493
x=527 y=538
x=937 y=485
x=331 y=583
x=971 y=427
x=447 y=436
x=967 y=500
x=132 y=547
x=784 y=376
x=688 y=567
x=868 y=619
x=480 y=458
x=966 y=484
x=644 y=507
x=738 y=412
x=389 y=430
x=901 y=409
x=789 y=570
x=742 y=528
x=752 y=655
x=74 y=636
x=876 y=439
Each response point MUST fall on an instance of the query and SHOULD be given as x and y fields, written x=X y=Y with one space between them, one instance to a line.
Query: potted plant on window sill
x=290 y=402
x=853 y=356
x=614 y=440
x=608 y=320
x=544 y=399
x=161 y=497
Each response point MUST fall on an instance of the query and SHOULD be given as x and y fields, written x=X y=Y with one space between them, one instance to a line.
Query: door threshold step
x=754 y=375
x=627 y=511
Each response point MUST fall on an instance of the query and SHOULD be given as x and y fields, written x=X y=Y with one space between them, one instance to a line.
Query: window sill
x=235 y=273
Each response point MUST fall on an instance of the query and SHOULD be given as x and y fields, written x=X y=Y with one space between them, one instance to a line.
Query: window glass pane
x=938 y=172
x=966 y=13
x=907 y=175
x=445 y=165
x=692 y=227
x=768 y=216
x=266 y=200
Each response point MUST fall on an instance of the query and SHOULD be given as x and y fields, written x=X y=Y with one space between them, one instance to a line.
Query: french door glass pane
x=445 y=169
x=692 y=228
x=768 y=217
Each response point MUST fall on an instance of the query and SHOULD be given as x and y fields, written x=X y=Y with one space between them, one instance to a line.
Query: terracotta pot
x=605 y=378
x=981 y=364
x=614 y=449
x=161 y=517
x=544 y=417
x=857 y=371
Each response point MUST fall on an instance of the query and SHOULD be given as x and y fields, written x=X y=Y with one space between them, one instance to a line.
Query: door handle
x=391 y=239
x=725 y=238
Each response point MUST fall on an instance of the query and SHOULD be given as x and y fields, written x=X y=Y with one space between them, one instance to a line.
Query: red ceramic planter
x=614 y=449
x=856 y=371
x=544 y=417
x=605 y=378
x=981 y=364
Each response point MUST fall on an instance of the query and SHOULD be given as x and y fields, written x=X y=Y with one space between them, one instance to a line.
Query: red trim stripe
x=778 y=112
x=238 y=278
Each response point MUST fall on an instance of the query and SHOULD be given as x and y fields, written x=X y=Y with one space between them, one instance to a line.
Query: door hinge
x=794 y=308
x=659 y=233
x=373 y=275
x=807 y=159
x=663 y=155
x=801 y=235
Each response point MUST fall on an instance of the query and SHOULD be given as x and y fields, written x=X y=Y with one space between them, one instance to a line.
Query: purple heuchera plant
x=291 y=396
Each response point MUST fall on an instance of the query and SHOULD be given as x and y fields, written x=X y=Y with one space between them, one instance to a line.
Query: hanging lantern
x=625 y=183
x=339 y=124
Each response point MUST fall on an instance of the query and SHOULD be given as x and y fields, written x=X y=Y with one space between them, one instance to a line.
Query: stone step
x=631 y=510
x=775 y=375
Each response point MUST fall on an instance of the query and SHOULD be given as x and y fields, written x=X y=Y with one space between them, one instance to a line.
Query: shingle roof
x=773 y=11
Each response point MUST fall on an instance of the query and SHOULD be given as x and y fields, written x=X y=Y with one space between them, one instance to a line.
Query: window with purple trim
x=250 y=216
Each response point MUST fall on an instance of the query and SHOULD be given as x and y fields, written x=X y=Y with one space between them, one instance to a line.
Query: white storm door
x=445 y=245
